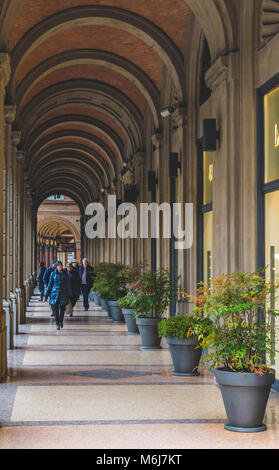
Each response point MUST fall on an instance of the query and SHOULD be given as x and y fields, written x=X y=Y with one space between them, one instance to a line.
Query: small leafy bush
x=110 y=281
x=127 y=301
x=241 y=338
x=155 y=291
x=185 y=326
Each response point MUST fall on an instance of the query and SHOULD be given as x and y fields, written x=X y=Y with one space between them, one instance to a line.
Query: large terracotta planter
x=185 y=355
x=148 y=328
x=245 y=397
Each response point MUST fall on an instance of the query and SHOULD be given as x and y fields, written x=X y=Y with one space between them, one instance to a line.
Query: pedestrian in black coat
x=86 y=276
x=40 y=279
x=74 y=288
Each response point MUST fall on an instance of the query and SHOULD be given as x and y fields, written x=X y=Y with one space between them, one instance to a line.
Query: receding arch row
x=104 y=16
x=67 y=183
x=95 y=57
x=54 y=226
x=216 y=14
x=77 y=119
x=106 y=98
x=68 y=157
x=52 y=139
x=68 y=190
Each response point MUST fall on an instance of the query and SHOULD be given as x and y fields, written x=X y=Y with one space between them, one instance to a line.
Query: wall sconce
x=210 y=135
x=152 y=181
x=165 y=112
x=174 y=164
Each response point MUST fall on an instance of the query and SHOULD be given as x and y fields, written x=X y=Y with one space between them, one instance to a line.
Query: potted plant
x=154 y=294
x=112 y=286
x=95 y=295
x=125 y=303
x=131 y=275
x=184 y=334
x=100 y=285
x=241 y=342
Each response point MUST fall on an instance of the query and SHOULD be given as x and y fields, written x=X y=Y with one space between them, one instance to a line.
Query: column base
x=8 y=309
x=3 y=346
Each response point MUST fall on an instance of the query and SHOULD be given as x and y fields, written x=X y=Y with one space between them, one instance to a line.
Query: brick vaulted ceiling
x=83 y=74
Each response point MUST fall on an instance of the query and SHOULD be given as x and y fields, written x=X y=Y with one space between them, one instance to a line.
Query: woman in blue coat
x=59 y=290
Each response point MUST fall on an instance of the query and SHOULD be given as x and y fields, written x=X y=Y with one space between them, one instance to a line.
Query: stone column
x=16 y=136
x=5 y=71
x=20 y=158
x=15 y=139
x=9 y=113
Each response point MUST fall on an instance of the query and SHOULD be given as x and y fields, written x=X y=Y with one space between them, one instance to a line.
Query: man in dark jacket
x=40 y=280
x=74 y=287
x=49 y=271
x=86 y=276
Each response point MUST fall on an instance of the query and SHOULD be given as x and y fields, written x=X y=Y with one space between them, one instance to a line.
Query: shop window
x=271 y=135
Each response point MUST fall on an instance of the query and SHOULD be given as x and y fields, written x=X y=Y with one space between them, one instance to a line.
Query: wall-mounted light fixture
x=165 y=112
x=210 y=135
x=174 y=164
x=152 y=181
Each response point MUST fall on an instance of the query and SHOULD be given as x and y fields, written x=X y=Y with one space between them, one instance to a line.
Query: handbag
x=69 y=309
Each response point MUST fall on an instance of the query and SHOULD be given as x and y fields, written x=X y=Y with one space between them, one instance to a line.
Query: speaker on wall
x=210 y=135
x=152 y=181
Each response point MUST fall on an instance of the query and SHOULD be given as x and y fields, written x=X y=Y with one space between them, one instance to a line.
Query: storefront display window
x=271 y=135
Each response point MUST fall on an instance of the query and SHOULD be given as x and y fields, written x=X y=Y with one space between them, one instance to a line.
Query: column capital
x=217 y=73
x=5 y=70
x=157 y=140
x=15 y=137
x=10 y=113
x=225 y=69
x=179 y=118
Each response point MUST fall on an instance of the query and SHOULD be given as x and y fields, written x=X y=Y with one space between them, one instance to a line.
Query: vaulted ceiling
x=83 y=75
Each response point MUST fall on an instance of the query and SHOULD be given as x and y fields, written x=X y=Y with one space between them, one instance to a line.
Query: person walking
x=86 y=276
x=59 y=290
x=40 y=280
x=46 y=279
x=74 y=288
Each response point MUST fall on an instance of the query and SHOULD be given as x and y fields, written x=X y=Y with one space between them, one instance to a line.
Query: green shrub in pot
x=184 y=334
x=155 y=291
x=241 y=343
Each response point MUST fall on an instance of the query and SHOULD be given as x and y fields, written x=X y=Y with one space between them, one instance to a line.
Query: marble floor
x=90 y=386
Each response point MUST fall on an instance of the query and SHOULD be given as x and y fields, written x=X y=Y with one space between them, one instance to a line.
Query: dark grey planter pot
x=104 y=305
x=130 y=321
x=185 y=356
x=245 y=397
x=148 y=328
x=116 y=311
x=96 y=298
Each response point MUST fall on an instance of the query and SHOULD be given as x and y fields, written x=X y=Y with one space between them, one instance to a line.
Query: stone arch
x=78 y=119
x=58 y=219
x=43 y=143
x=215 y=19
x=95 y=57
x=99 y=94
x=101 y=15
x=69 y=155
